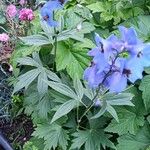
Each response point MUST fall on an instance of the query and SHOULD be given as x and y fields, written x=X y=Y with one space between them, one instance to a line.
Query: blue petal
x=117 y=82
x=95 y=51
x=53 y=5
x=145 y=57
x=98 y=40
x=129 y=35
x=93 y=78
x=101 y=62
x=47 y=11
x=135 y=66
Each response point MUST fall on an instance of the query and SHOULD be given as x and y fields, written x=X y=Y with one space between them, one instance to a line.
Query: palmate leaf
x=96 y=7
x=110 y=99
x=128 y=122
x=144 y=87
x=78 y=87
x=130 y=118
x=64 y=109
x=26 y=79
x=63 y=89
x=54 y=135
x=72 y=58
x=75 y=33
x=40 y=72
x=91 y=139
x=28 y=61
x=41 y=86
x=142 y=26
x=140 y=141
x=37 y=40
x=83 y=11
x=34 y=104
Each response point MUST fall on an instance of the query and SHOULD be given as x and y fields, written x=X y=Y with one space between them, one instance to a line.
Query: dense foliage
x=84 y=84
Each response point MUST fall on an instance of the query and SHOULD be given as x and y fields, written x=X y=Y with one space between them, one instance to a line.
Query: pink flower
x=11 y=10
x=4 y=37
x=26 y=14
x=22 y=2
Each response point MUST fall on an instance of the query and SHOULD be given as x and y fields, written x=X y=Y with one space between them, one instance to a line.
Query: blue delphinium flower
x=92 y=76
x=47 y=11
x=130 y=41
x=117 y=61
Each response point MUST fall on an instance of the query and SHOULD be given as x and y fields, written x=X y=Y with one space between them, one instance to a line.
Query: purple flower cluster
x=117 y=60
x=47 y=11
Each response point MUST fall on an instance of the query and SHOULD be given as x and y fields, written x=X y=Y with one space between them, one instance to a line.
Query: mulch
x=17 y=131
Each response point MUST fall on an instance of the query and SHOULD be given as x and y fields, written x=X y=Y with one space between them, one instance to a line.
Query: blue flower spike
x=117 y=61
x=47 y=11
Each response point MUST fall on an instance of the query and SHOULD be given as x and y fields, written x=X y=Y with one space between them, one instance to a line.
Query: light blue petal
x=117 y=82
x=145 y=56
x=53 y=5
x=135 y=66
x=92 y=77
x=98 y=40
x=100 y=61
x=95 y=51
x=128 y=35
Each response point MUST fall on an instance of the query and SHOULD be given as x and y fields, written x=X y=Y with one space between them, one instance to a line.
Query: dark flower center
x=62 y=1
x=92 y=64
x=139 y=54
x=127 y=72
x=46 y=17
x=102 y=47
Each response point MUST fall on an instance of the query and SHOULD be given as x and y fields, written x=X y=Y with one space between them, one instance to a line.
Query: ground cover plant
x=78 y=74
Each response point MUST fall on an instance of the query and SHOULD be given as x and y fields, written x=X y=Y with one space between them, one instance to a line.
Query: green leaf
x=102 y=110
x=44 y=105
x=112 y=111
x=35 y=104
x=2 y=18
x=63 y=89
x=75 y=33
x=41 y=86
x=43 y=74
x=130 y=118
x=113 y=99
x=71 y=58
x=96 y=7
x=48 y=30
x=140 y=141
x=34 y=144
x=78 y=87
x=83 y=11
x=27 y=61
x=118 y=99
x=64 y=109
x=51 y=75
x=54 y=135
x=144 y=87
x=26 y=79
x=36 y=40
x=142 y=26
x=128 y=122
x=91 y=139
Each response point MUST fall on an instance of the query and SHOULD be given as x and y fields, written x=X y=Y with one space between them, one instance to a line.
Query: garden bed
x=75 y=74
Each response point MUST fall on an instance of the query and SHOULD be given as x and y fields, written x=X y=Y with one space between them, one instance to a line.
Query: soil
x=18 y=131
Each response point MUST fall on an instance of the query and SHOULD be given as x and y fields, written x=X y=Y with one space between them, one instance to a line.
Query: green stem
x=91 y=105
x=55 y=49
